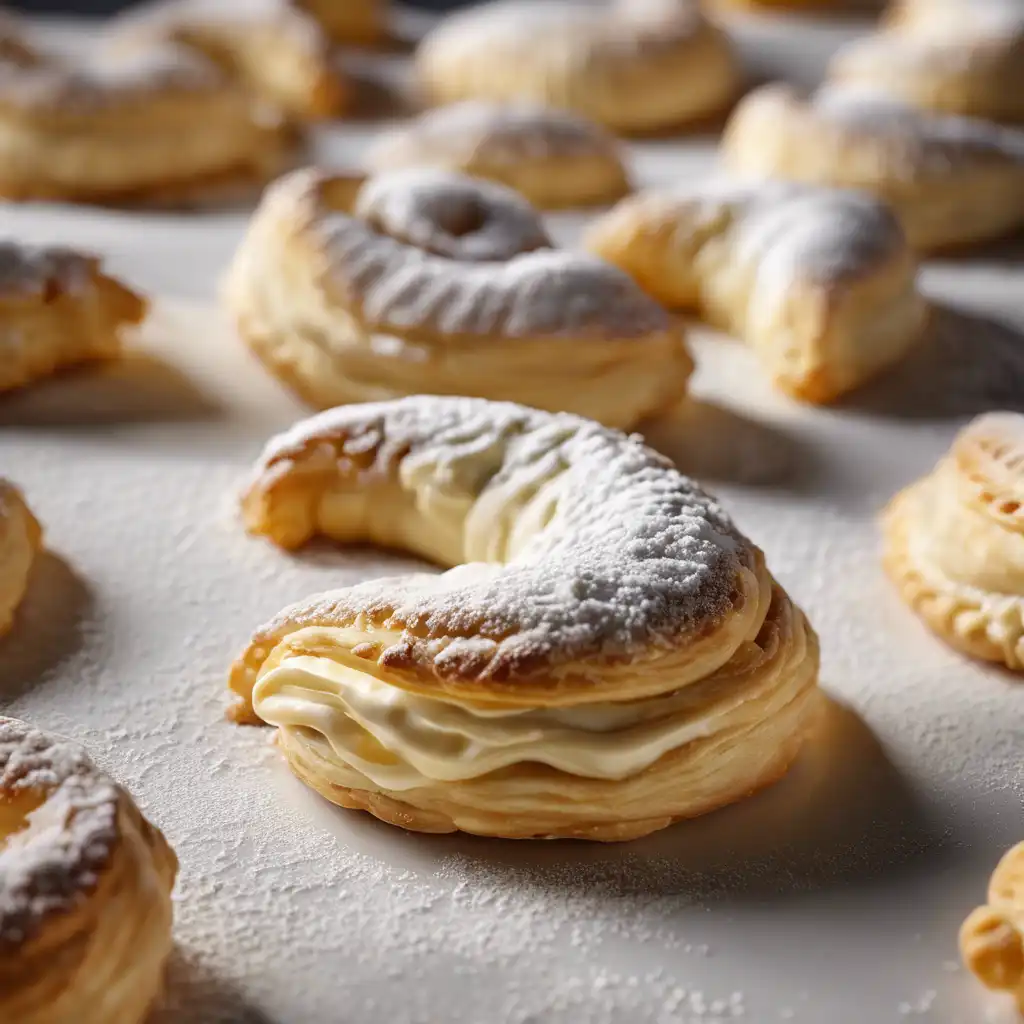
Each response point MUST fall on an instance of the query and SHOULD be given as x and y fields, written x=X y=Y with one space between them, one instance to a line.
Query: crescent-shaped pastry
x=951 y=180
x=158 y=125
x=992 y=937
x=85 y=884
x=20 y=539
x=609 y=654
x=441 y=284
x=949 y=56
x=57 y=310
x=954 y=542
x=634 y=65
x=553 y=157
x=819 y=282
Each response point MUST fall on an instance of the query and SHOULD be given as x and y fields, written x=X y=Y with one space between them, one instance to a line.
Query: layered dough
x=950 y=56
x=58 y=309
x=609 y=654
x=634 y=65
x=429 y=282
x=992 y=937
x=159 y=124
x=951 y=180
x=21 y=536
x=85 y=883
x=553 y=157
x=821 y=283
x=954 y=542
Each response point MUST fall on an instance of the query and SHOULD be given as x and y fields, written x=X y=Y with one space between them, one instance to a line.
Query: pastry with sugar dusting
x=951 y=56
x=951 y=180
x=821 y=283
x=21 y=537
x=555 y=158
x=632 y=65
x=58 y=309
x=427 y=282
x=954 y=542
x=85 y=889
x=159 y=124
x=992 y=937
x=608 y=654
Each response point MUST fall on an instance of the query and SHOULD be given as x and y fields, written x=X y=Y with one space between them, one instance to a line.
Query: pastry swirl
x=819 y=282
x=954 y=542
x=85 y=882
x=609 y=655
x=440 y=284
x=20 y=539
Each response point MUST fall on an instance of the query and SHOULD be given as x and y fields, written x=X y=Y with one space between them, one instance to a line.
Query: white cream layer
x=400 y=740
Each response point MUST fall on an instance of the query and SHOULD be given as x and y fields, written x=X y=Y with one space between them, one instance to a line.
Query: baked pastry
x=634 y=65
x=57 y=310
x=350 y=21
x=609 y=655
x=161 y=124
x=553 y=157
x=992 y=937
x=951 y=180
x=85 y=884
x=272 y=47
x=20 y=539
x=950 y=56
x=954 y=542
x=441 y=284
x=819 y=282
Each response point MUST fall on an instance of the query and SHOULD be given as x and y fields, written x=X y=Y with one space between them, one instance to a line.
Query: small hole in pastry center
x=465 y=218
x=15 y=810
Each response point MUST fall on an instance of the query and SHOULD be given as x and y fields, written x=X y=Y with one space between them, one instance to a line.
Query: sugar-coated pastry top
x=989 y=454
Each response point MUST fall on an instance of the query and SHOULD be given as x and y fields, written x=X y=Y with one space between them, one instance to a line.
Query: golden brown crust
x=364 y=22
x=21 y=537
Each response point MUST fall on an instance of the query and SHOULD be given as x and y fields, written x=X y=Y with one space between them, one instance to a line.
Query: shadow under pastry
x=967 y=364
x=47 y=627
x=194 y=993
x=135 y=388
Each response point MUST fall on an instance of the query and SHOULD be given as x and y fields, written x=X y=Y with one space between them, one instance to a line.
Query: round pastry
x=553 y=157
x=20 y=539
x=162 y=124
x=85 y=884
x=635 y=65
x=951 y=180
x=992 y=937
x=821 y=283
x=441 y=284
x=609 y=655
x=58 y=309
x=954 y=542
x=945 y=55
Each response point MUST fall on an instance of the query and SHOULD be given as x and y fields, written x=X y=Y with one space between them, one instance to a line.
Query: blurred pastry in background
x=952 y=181
x=555 y=158
x=633 y=66
x=357 y=22
x=21 y=537
x=821 y=283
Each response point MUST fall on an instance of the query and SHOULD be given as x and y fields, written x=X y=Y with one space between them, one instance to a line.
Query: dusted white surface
x=832 y=899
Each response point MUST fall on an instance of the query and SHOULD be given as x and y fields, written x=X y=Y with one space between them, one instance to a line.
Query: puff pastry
x=820 y=282
x=954 y=542
x=992 y=937
x=58 y=309
x=951 y=180
x=949 y=56
x=609 y=655
x=553 y=157
x=20 y=539
x=442 y=284
x=635 y=65
x=161 y=124
x=85 y=883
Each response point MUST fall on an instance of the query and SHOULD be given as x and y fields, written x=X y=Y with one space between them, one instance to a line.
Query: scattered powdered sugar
x=28 y=272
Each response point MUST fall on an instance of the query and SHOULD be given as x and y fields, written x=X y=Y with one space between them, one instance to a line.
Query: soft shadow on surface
x=376 y=96
x=138 y=388
x=712 y=442
x=842 y=817
x=361 y=561
x=195 y=995
x=966 y=365
x=1009 y=251
x=47 y=627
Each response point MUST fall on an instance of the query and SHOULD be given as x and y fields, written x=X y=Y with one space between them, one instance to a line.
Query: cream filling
x=401 y=740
